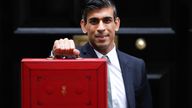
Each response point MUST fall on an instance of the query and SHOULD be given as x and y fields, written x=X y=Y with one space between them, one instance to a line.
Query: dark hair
x=91 y=5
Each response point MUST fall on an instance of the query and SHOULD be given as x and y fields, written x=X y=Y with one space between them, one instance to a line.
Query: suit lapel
x=127 y=78
x=87 y=51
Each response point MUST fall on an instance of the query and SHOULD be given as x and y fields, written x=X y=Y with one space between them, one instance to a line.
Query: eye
x=107 y=20
x=94 y=21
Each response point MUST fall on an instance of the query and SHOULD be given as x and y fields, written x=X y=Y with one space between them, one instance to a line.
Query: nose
x=101 y=27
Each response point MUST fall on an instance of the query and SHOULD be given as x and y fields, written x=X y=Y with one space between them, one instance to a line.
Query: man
x=129 y=85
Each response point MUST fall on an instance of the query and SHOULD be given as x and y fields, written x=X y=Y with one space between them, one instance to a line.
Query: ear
x=117 y=24
x=83 y=24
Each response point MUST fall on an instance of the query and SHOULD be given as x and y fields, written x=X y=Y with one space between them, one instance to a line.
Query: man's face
x=100 y=28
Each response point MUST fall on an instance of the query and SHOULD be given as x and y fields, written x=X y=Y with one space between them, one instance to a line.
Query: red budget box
x=64 y=83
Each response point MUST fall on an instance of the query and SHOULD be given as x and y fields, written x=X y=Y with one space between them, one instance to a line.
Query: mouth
x=101 y=36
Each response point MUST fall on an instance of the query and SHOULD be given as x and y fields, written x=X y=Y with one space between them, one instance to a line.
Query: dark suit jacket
x=134 y=76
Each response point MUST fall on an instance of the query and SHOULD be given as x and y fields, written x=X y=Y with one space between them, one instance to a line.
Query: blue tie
x=110 y=105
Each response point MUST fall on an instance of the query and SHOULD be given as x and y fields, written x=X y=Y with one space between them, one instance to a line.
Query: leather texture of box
x=63 y=83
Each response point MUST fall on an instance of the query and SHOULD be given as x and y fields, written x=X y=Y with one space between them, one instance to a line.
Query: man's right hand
x=65 y=47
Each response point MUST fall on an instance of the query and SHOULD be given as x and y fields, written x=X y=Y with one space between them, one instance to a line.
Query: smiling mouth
x=101 y=36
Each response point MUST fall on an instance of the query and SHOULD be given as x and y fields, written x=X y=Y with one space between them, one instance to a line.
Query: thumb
x=76 y=52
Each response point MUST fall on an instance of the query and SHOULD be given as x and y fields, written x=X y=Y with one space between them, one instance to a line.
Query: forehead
x=100 y=13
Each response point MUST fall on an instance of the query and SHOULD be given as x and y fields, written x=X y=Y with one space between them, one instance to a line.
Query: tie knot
x=106 y=57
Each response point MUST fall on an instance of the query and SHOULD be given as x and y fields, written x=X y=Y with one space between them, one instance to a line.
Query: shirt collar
x=110 y=54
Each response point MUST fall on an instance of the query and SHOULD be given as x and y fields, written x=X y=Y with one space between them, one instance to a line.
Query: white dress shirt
x=117 y=83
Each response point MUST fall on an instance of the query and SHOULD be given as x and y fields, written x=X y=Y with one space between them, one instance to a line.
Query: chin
x=102 y=47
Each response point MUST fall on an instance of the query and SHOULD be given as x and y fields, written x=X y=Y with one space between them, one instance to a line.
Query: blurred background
x=158 y=31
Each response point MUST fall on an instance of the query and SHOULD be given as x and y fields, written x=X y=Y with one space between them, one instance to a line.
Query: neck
x=104 y=51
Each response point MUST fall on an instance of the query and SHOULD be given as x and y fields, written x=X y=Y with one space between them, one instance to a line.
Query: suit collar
x=127 y=69
x=87 y=51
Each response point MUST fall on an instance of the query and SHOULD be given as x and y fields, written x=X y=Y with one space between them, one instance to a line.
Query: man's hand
x=64 y=47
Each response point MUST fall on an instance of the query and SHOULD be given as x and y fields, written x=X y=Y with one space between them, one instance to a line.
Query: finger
x=68 y=47
x=76 y=52
x=65 y=46
x=56 y=43
x=60 y=48
x=56 y=48
x=61 y=44
x=71 y=44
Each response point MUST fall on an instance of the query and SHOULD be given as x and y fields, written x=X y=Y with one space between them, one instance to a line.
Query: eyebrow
x=108 y=17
